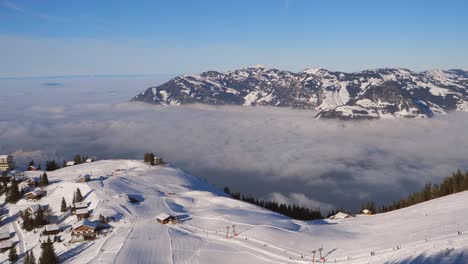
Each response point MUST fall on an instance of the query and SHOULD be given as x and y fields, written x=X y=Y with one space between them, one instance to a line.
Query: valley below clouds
x=272 y=153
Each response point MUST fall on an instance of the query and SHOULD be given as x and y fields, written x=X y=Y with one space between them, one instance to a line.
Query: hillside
x=426 y=233
x=370 y=94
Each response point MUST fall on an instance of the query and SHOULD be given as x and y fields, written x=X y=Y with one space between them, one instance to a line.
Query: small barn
x=5 y=245
x=34 y=195
x=70 y=163
x=32 y=210
x=159 y=161
x=82 y=213
x=84 y=230
x=80 y=205
x=340 y=215
x=32 y=168
x=52 y=229
x=4 y=236
x=367 y=212
x=84 y=178
x=166 y=219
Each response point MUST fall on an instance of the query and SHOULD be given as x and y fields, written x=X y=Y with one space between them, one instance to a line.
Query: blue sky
x=48 y=38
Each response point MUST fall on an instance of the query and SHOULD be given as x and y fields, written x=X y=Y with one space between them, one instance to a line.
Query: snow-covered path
x=148 y=243
x=19 y=233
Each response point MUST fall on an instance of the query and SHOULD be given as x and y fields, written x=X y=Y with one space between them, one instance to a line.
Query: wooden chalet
x=52 y=229
x=84 y=230
x=83 y=178
x=34 y=195
x=166 y=219
x=367 y=212
x=82 y=213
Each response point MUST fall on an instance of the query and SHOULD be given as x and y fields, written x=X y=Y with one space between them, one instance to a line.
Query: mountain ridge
x=369 y=94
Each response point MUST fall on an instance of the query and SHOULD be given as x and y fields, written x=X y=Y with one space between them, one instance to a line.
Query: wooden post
x=313 y=256
x=227 y=231
x=234 y=230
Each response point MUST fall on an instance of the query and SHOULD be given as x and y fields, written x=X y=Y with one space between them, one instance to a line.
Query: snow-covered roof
x=162 y=216
x=85 y=222
x=34 y=207
x=70 y=163
x=366 y=211
x=52 y=227
x=340 y=215
x=6 y=244
x=4 y=235
x=89 y=160
x=36 y=193
x=81 y=205
x=82 y=211
x=4 y=156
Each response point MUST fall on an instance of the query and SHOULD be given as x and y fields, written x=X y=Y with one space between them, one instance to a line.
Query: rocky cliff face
x=380 y=93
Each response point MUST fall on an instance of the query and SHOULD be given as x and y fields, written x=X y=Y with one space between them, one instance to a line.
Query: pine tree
x=63 y=207
x=32 y=259
x=48 y=255
x=13 y=255
x=27 y=221
x=27 y=259
x=44 y=180
x=74 y=198
x=13 y=194
x=77 y=159
x=78 y=196
x=39 y=167
x=40 y=219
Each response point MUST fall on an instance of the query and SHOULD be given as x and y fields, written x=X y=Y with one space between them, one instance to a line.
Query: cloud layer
x=272 y=153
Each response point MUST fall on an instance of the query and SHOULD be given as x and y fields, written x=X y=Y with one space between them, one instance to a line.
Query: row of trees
x=48 y=255
x=52 y=165
x=293 y=211
x=455 y=183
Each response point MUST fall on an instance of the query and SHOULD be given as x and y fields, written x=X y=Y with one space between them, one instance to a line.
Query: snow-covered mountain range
x=430 y=232
x=380 y=93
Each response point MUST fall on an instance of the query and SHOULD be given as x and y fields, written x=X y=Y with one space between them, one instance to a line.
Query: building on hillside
x=6 y=162
x=70 y=163
x=82 y=213
x=166 y=219
x=83 y=178
x=24 y=187
x=35 y=195
x=31 y=182
x=4 y=236
x=79 y=205
x=367 y=212
x=32 y=168
x=84 y=230
x=5 y=245
x=159 y=161
x=340 y=215
x=32 y=210
x=89 y=160
x=52 y=229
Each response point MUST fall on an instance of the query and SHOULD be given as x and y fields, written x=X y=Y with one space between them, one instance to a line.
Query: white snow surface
x=425 y=232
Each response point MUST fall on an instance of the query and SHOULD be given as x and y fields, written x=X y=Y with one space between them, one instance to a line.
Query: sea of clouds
x=280 y=154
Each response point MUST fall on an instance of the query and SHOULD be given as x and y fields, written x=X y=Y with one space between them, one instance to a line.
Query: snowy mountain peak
x=370 y=94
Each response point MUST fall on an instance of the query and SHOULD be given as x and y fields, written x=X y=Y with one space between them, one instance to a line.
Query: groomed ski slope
x=425 y=233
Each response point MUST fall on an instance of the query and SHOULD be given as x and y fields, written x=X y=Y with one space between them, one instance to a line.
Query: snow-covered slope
x=381 y=93
x=426 y=232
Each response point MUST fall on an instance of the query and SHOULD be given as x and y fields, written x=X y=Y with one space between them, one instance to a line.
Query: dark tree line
x=149 y=158
x=455 y=183
x=293 y=211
